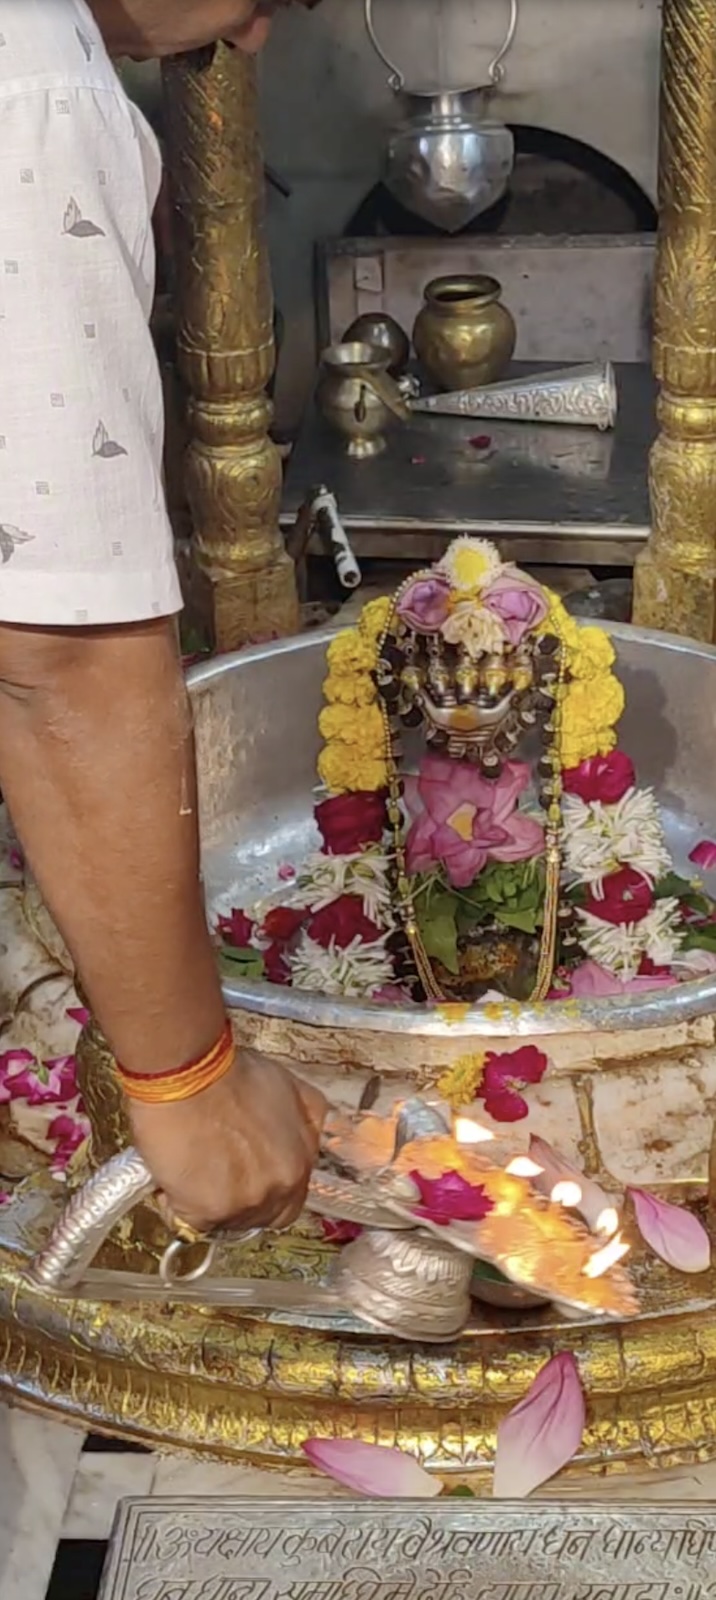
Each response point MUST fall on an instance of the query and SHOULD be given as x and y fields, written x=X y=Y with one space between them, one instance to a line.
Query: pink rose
x=604 y=778
x=517 y=601
x=425 y=603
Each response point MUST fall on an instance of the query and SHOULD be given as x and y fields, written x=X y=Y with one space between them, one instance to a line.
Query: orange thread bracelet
x=181 y=1083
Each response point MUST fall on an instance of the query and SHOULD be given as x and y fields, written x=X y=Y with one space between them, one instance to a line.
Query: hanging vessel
x=464 y=336
x=447 y=160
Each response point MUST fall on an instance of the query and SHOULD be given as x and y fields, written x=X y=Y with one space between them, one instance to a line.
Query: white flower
x=478 y=630
x=599 y=839
x=323 y=878
x=470 y=563
x=356 y=972
x=620 y=948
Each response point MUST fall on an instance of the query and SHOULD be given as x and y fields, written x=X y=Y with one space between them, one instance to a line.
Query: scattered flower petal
x=78 y=1014
x=450 y=1198
x=543 y=1433
x=505 y=1076
x=704 y=855
x=672 y=1232
x=286 y=872
x=336 y=1232
x=236 y=929
x=372 y=1469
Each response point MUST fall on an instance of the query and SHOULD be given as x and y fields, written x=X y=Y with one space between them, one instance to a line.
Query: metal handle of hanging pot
x=396 y=78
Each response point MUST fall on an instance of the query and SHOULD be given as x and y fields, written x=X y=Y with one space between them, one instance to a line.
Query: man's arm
x=96 y=757
x=96 y=763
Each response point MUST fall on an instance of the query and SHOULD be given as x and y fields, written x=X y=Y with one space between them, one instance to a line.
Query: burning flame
x=607 y=1257
x=566 y=1193
x=523 y=1167
x=607 y=1222
x=467 y=1131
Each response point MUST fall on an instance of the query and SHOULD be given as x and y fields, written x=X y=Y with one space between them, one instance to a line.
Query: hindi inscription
x=455 y=1550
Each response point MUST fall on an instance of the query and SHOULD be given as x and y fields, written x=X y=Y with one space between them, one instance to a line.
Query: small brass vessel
x=379 y=329
x=464 y=336
x=357 y=396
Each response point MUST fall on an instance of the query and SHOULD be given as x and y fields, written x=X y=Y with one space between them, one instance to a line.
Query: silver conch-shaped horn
x=584 y=396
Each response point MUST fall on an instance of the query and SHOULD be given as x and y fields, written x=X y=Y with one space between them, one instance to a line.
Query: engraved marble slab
x=236 y=1549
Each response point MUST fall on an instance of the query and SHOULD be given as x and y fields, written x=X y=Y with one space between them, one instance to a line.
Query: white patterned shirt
x=84 y=532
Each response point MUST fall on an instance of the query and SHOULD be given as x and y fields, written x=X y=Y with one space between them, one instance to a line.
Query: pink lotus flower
x=704 y=855
x=462 y=820
x=672 y=1232
x=372 y=1469
x=425 y=603
x=594 y=1204
x=505 y=1077
x=589 y=981
x=450 y=1199
x=518 y=602
x=543 y=1432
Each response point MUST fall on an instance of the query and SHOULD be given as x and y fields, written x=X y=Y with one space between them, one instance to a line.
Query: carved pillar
x=676 y=576
x=226 y=351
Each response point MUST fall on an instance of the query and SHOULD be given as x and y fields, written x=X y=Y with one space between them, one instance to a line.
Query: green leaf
x=524 y=921
x=700 y=938
x=246 y=963
x=440 y=940
x=672 y=887
x=461 y=1492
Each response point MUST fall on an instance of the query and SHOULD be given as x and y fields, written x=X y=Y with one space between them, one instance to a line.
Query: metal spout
x=584 y=396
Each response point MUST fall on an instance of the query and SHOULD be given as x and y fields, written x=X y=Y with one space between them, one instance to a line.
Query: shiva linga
x=446 y=856
x=406 y=1274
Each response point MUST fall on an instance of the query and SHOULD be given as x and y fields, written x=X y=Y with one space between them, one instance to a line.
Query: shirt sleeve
x=84 y=533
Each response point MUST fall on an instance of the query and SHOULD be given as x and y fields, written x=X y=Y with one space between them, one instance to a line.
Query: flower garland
x=474 y=856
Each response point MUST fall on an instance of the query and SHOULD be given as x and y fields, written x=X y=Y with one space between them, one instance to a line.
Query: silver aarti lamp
x=405 y=1274
x=447 y=159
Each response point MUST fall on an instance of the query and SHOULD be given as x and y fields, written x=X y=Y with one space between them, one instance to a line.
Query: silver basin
x=256 y=716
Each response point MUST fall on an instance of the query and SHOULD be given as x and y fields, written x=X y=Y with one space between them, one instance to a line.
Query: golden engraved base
x=256 y=1385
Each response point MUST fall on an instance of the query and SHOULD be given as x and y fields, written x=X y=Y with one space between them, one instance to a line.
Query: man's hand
x=240 y=1154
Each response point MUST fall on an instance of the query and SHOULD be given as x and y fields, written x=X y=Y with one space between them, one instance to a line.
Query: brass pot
x=380 y=330
x=464 y=336
x=357 y=397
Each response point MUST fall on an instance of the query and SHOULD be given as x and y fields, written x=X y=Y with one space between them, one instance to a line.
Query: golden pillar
x=676 y=576
x=225 y=342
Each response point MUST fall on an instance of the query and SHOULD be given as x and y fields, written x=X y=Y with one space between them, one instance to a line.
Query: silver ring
x=173 y=1254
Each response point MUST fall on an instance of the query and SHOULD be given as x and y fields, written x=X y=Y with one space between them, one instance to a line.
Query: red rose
x=347 y=822
x=343 y=921
x=626 y=897
x=281 y=923
x=275 y=968
x=605 y=778
x=236 y=930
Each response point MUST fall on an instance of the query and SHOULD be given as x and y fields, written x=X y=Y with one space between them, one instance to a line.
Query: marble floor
x=59 y=1491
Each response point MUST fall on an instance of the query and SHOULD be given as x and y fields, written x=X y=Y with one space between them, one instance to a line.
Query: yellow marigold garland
x=352 y=759
x=351 y=724
x=459 y=1084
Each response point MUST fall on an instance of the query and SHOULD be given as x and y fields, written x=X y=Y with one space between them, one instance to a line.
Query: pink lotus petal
x=704 y=855
x=672 y=1232
x=375 y=1470
x=594 y=1204
x=78 y=1014
x=542 y=1433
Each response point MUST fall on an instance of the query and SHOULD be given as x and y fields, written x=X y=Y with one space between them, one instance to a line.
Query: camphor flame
x=566 y=1193
x=523 y=1167
x=607 y=1257
x=468 y=1131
